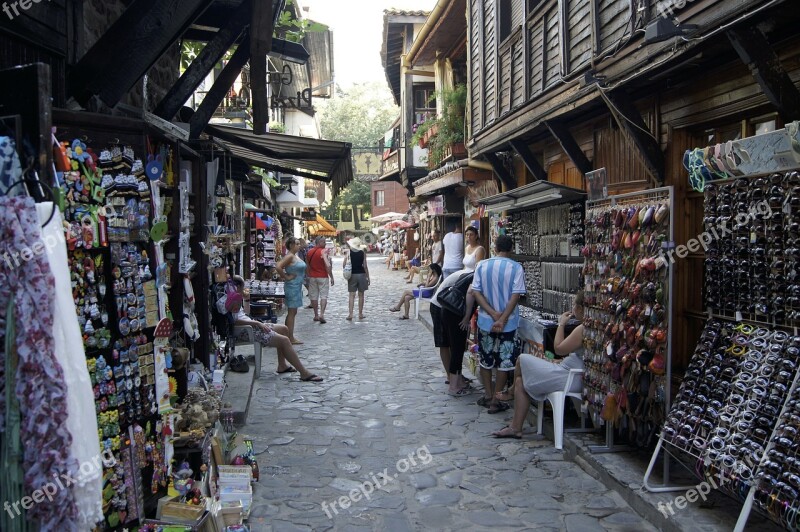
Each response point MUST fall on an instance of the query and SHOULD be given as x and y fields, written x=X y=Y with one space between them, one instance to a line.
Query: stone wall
x=98 y=16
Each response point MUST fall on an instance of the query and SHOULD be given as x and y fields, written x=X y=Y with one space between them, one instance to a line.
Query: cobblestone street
x=382 y=409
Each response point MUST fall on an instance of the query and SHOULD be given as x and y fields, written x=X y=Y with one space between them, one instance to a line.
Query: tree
x=356 y=194
x=360 y=115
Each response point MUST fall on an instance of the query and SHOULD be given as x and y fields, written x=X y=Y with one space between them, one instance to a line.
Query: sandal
x=499 y=407
x=483 y=401
x=311 y=378
x=323 y=320
x=394 y=309
x=459 y=393
x=507 y=432
x=290 y=369
x=504 y=396
x=403 y=317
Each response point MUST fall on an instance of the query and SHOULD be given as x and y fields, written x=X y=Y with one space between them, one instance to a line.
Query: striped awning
x=320 y=227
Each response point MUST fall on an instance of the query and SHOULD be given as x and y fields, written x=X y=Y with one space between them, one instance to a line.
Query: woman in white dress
x=539 y=377
x=474 y=252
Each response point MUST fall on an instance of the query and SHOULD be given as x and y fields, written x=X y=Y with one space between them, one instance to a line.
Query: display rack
x=628 y=290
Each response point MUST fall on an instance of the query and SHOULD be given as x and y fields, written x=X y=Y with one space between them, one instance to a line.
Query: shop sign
x=303 y=100
x=391 y=164
x=436 y=205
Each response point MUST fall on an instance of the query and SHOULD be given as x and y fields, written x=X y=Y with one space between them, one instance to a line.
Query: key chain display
x=627 y=287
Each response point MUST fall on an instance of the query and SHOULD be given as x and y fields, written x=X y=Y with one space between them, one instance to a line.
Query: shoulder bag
x=348 y=269
x=454 y=297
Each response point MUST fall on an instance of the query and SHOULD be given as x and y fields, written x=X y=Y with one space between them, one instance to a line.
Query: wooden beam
x=497 y=165
x=261 y=29
x=128 y=49
x=218 y=91
x=529 y=159
x=570 y=147
x=755 y=51
x=630 y=121
x=211 y=54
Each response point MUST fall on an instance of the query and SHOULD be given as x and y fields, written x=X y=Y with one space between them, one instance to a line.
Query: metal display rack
x=622 y=265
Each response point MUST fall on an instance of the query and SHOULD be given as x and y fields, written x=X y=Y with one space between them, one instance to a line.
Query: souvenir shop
x=106 y=261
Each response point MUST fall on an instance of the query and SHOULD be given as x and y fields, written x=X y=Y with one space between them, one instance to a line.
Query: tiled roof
x=402 y=13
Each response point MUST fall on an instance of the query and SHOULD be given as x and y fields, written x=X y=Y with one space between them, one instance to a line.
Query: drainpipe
x=433 y=18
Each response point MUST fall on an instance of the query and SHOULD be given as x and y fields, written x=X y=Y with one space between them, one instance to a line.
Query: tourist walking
x=320 y=278
x=292 y=269
x=359 y=277
x=498 y=284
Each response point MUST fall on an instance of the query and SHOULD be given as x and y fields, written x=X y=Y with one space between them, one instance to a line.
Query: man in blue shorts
x=498 y=284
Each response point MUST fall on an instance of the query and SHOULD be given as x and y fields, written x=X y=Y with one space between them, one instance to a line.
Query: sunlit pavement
x=380 y=445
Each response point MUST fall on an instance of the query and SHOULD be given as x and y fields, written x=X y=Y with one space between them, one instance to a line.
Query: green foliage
x=360 y=115
x=450 y=124
x=294 y=29
x=277 y=127
x=357 y=193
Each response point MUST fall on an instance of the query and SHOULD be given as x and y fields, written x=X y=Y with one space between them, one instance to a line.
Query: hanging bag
x=454 y=297
x=347 y=272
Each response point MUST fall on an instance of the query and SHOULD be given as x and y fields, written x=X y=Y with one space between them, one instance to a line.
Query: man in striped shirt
x=498 y=284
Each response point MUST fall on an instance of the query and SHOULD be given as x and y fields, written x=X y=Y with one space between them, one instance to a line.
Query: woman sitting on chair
x=538 y=377
x=427 y=291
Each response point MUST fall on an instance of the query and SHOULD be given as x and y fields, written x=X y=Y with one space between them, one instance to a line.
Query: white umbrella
x=387 y=217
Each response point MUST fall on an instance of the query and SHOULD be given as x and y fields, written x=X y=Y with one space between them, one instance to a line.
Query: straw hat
x=356 y=244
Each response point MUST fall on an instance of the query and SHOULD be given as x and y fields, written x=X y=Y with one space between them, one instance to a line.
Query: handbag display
x=454 y=297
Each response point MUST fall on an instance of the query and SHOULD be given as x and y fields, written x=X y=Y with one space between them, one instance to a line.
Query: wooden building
x=562 y=87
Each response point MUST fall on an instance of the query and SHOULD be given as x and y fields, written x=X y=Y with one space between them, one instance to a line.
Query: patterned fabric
x=498 y=350
x=497 y=279
x=40 y=386
x=294 y=289
x=10 y=169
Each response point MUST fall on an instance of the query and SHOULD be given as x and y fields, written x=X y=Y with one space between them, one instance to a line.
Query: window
x=347 y=214
x=504 y=19
x=424 y=103
x=379 y=199
x=363 y=215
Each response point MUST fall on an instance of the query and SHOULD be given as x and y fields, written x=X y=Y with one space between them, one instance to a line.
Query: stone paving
x=382 y=425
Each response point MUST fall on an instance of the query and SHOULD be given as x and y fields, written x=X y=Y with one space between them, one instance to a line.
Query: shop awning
x=538 y=194
x=320 y=227
x=323 y=160
x=452 y=174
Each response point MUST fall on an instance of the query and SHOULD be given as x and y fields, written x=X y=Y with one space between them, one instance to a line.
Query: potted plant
x=444 y=135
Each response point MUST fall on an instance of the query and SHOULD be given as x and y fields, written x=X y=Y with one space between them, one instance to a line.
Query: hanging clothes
x=69 y=352
x=39 y=385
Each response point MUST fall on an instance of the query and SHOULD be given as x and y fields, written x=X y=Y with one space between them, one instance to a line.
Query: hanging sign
x=436 y=205
x=303 y=100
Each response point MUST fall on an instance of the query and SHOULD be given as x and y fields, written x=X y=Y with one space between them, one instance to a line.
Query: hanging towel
x=81 y=417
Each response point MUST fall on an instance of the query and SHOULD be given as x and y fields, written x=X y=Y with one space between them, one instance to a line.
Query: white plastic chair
x=246 y=331
x=420 y=299
x=557 y=400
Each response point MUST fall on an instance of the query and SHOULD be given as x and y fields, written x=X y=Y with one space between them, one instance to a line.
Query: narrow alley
x=382 y=405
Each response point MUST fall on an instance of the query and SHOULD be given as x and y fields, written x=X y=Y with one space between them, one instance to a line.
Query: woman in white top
x=474 y=252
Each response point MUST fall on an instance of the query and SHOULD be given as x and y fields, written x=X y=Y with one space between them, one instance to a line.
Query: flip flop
x=499 y=407
x=323 y=320
x=297 y=342
x=394 y=309
x=504 y=396
x=401 y=317
x=290 y=369
x=349 y=318
x=312 y=378
x=316 y=318
x=362 y=317
x=512 y=434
